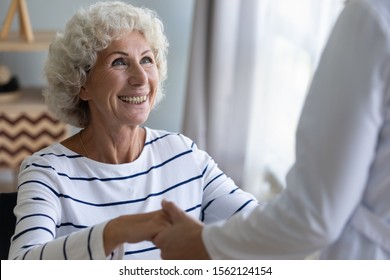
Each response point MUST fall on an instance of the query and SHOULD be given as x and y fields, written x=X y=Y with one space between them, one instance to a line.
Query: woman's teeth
x=134 y=100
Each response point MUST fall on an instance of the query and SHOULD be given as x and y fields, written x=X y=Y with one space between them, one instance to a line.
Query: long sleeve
x=221 y=198
x=39 y=214
x=337 y=142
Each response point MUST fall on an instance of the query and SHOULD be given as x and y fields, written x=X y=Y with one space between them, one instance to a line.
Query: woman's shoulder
x=163 y=137
x=55 y=151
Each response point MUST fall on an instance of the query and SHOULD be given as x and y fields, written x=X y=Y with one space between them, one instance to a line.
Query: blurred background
x=238 y=73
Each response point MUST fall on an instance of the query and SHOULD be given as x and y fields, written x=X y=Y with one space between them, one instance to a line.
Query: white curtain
x=251 y=63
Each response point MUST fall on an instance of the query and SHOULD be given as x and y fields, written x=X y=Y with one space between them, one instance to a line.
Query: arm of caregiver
x=339 y=134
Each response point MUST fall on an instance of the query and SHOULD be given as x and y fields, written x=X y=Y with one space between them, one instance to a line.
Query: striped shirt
x=65 y=199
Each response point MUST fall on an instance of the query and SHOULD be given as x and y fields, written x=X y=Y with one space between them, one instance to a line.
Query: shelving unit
x=16 y=43
x=26 y=125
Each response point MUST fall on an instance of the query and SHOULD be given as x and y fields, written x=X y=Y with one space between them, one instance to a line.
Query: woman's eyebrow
x=125 y=53
x=117 y=52
x=146 y=51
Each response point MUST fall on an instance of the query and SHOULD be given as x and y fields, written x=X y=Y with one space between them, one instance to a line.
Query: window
x=291 y=41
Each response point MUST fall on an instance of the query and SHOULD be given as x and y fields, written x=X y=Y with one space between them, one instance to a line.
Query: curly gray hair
x=73 y=53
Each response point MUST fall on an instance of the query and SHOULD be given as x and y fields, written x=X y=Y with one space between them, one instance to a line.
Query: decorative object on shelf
x=26 y=125
x=25 y=39
x=5 y=75
x=9 y=85
x=24 y=20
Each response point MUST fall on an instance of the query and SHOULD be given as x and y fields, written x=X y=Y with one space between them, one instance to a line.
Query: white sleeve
x=336 y=142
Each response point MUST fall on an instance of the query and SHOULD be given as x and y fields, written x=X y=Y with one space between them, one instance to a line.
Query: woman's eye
x=118 y=62
x=146 y=60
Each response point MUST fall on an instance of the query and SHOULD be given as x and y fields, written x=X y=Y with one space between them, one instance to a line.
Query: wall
x=177 y=18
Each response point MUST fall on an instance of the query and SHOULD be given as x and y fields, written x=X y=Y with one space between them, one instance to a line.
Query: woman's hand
x=183 y=238
x=133 y=229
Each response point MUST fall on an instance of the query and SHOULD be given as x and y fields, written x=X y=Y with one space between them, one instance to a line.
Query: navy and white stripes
x=62 y=196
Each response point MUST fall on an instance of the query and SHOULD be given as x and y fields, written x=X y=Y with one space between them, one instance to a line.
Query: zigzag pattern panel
x=23 y=133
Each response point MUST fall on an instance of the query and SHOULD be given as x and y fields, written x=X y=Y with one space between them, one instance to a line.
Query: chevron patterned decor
x=23 y=132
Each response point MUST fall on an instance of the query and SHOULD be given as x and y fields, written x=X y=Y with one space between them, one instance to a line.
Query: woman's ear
x=83 y=94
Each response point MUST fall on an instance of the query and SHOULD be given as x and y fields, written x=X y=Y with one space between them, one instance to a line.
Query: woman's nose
x=137 y=76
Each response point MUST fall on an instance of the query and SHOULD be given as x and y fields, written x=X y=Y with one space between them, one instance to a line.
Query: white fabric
x=65 y=200
x=372 y=226
x=342 y=155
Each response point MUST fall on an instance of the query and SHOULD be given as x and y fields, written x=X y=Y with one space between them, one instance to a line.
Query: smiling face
x=122 y=85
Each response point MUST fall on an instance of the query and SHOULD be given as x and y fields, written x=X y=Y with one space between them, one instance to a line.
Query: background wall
x=53 y=15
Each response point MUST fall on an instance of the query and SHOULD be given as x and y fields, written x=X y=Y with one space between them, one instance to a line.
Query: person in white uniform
x=98 y=193
x=337 y=198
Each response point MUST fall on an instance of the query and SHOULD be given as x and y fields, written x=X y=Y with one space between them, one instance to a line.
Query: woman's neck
x=112 y=146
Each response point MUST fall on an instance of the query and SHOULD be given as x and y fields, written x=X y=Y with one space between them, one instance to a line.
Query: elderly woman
x=98 y=194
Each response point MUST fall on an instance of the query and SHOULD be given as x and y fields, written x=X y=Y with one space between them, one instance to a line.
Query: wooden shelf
x=23 y=100
x=17 y=43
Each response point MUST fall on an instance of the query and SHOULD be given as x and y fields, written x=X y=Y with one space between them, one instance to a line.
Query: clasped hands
x=181 y=237
x=176 y=234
